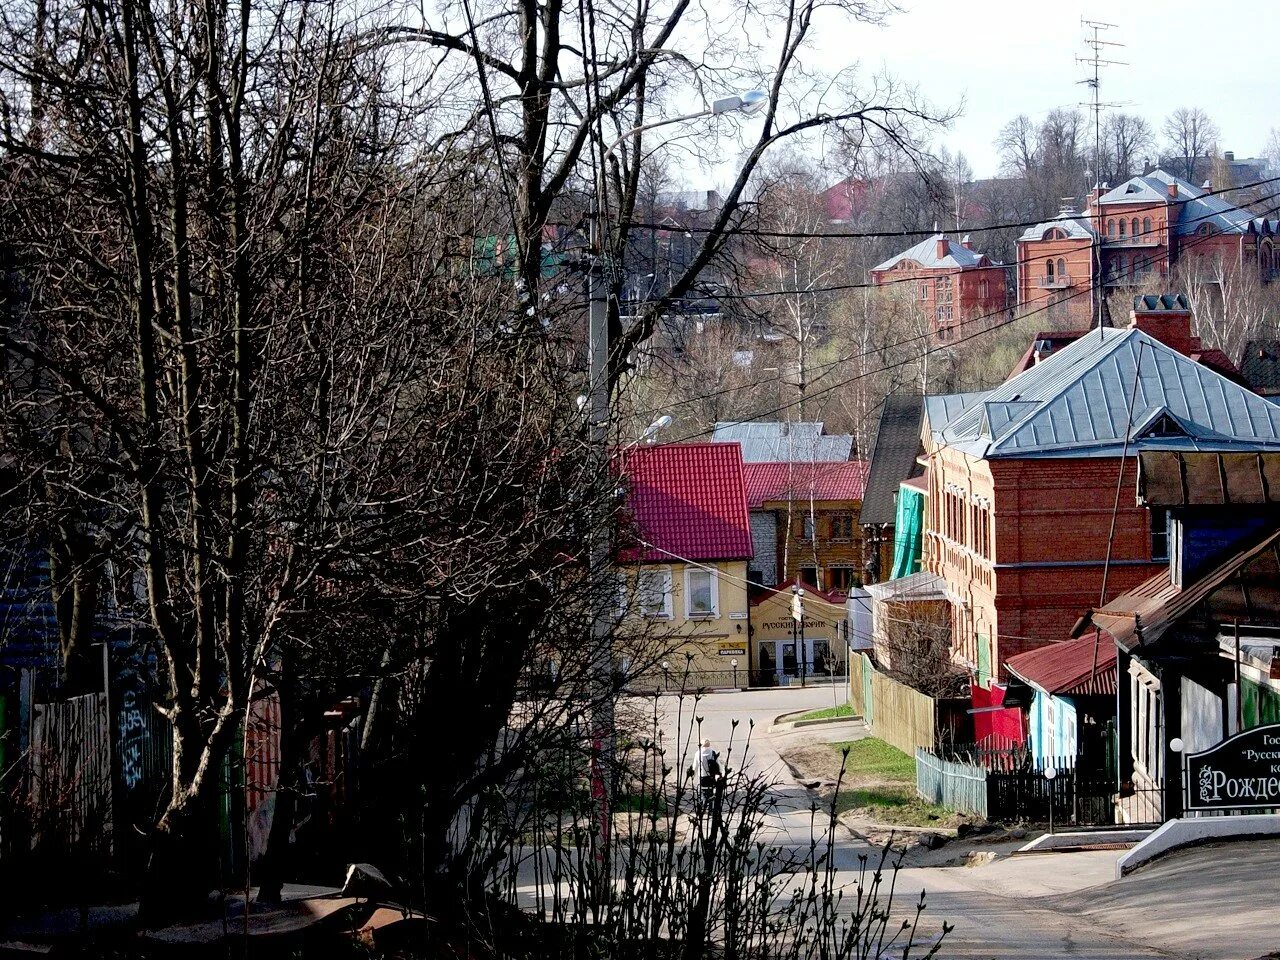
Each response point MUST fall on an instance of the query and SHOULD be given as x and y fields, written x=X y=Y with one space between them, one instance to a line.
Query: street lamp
x=597 y=409
x=1050 y=774
x=734 y=663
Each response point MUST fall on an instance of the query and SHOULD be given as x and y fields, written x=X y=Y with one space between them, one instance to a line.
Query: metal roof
x=925 y=253
x=942 y=409
x=1085 y=666
x=1076 y=403
x=894 y=458
x=686 y=501
x=845 y=480
x=1197 y=206
x=782 y=442
x=1068 y=221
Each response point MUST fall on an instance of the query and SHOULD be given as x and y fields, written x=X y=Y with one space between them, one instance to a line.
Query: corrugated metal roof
x=687 y=500
x=1245 y=586
x=925 y=253
x=1083 y=667
x=782 y=442
x=894 y=458
x=1076 y=403
x=846 y=480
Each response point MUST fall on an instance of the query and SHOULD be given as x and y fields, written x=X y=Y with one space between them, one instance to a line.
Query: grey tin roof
x=1068 y=221
x=1075 y=403
x=925 y=253
x=942 y=409
x=782 y=442
x=894 y=457
x=1198 y=207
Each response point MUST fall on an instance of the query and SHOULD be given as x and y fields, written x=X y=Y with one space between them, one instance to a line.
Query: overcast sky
x=1005 y=57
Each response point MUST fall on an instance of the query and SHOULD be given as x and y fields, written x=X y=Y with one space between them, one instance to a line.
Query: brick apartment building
x=1141 y=228
x=1022 y=479
x=950 y=282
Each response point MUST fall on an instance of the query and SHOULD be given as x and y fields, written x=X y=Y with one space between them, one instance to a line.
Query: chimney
x=1207 y=186
x=943 y=248
x=1172 y=190
x=967 y=242
x=1229 y=156
x=1167 y=318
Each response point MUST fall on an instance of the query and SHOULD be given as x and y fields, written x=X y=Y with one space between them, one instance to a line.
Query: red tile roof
x=846 y=480
x=1083 y=666
x=686 y=500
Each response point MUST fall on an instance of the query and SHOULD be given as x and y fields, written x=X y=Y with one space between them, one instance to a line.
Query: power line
x=928 y=334
x=1084 y=290
x=892 y=281
x=905 y=234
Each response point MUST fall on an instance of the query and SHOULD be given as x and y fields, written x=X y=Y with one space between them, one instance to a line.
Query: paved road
x=1203 y=904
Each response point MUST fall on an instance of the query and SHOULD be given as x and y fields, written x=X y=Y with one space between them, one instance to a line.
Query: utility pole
x=1097 y=46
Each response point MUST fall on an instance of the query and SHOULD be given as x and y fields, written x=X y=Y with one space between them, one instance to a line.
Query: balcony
x=1059 y=282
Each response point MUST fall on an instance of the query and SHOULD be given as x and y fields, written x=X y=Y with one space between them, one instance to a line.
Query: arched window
x=1133 y=227
x=1054 y=234
x=1121 y=266
x=1122 y=226
x=1062 y=269
x=1146 y=226
x=1111 y=228
x=1048 y=270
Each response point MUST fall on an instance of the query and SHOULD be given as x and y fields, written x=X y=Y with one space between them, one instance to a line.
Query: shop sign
x=1240 y=773
x=732 y=648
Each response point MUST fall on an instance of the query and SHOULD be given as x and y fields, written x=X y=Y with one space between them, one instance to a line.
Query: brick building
x=950 y=282
x=1140 y=229
x=1023 y=479
x=813 y=509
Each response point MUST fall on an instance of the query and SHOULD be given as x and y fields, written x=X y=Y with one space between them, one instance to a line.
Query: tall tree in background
x=1189 y=135
x=1127 y=143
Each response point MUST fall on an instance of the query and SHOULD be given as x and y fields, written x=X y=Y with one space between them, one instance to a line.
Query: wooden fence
x=956 y=786
x=901 y=715
x=70 y=771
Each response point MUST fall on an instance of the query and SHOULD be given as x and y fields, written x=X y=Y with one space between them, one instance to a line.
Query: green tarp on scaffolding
x=907 y=533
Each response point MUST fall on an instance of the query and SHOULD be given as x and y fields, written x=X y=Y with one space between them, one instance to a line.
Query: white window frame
x=665 y=573
x=690 y=614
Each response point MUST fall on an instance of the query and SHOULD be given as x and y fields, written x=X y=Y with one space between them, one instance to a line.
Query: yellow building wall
x=699 y=650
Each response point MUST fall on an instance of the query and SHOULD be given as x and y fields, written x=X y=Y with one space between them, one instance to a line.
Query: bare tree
x=1127 y=142
x=1189 y=135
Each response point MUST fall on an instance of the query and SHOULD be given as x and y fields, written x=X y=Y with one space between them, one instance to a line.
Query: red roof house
x=843 y=480
x=686 y=501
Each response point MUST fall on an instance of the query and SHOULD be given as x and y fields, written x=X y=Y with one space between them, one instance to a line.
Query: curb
x=781 y=724
x=1191 y=831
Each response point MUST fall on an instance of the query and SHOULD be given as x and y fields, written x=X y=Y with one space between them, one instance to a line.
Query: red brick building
x=1141 y=229
x=1023 y=479
x=950 y=282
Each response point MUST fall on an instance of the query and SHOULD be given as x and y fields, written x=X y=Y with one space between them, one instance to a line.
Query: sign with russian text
x=1240 y=773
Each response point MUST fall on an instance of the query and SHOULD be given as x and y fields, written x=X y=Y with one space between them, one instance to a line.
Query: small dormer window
x=1205 y=229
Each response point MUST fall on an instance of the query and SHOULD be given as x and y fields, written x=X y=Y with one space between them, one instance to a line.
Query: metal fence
x=956 y=786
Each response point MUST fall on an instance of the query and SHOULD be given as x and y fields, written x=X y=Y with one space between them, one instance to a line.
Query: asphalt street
x=1209 y=903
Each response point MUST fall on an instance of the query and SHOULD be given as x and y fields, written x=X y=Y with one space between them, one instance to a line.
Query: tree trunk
x=180 y=872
